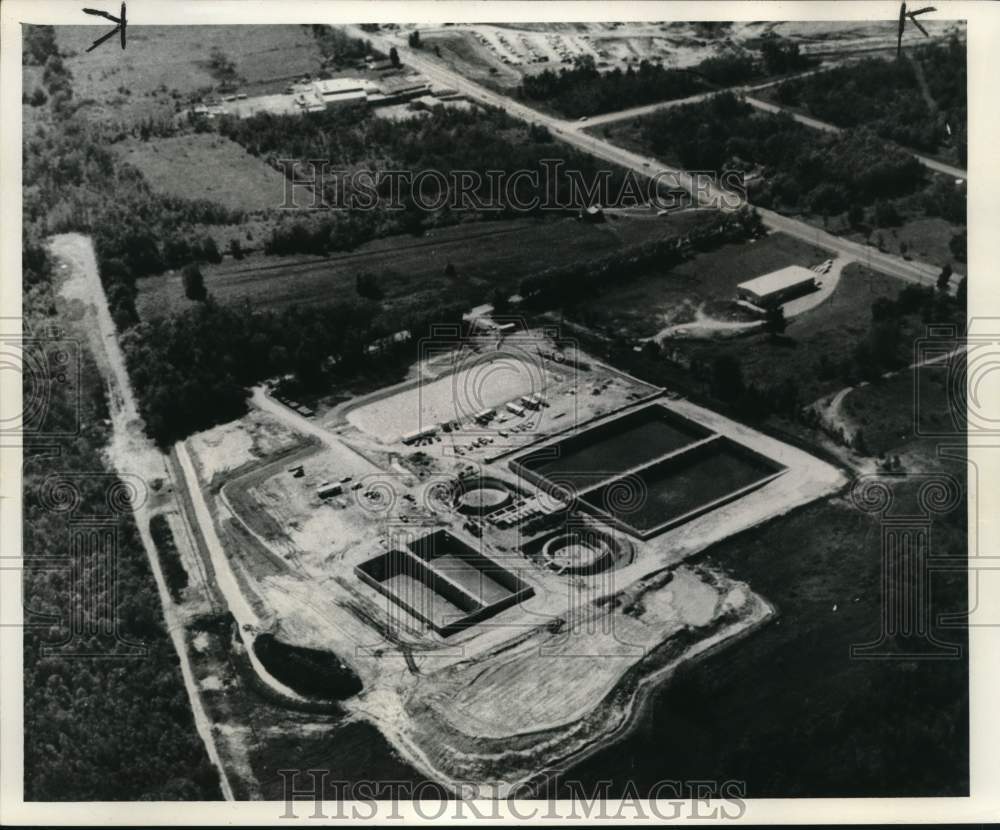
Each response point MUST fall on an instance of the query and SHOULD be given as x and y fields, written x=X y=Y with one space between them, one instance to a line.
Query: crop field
x=409 y=269
x=206 y=166
x=660 y=299
x=166 y=64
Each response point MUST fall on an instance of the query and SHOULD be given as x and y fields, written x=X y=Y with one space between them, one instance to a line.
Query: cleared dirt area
x=500 y=54
x=229 y=446
x=409 y=269
x=166 y=64
x=527 y=691
x=564 y=659
x=483 y=384
x=206 y=166
x=460 y=51
x=706 y=281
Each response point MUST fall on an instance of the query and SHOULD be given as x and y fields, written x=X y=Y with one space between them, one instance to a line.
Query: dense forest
x=117 y=724
x=803 y=169
x=919 y=101
x=584 y=90
x=445 y=144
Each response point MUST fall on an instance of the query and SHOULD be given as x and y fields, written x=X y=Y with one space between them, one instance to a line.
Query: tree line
x=802 y=168
x=445 y=140
x=887 y=96
x=117 y=726
x=584 y=90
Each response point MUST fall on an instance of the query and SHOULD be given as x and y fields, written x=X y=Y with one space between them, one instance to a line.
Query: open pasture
x=675 y=295
x=166 y=65
x=206 y=166
x=409 y=270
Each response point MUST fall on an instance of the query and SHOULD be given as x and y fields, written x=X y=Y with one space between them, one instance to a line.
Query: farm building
x=777 y=287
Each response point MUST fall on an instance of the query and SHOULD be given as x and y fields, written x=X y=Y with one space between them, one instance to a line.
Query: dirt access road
x=130 y=452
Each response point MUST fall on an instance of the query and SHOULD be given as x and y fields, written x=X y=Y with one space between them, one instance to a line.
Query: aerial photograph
x=500 y=410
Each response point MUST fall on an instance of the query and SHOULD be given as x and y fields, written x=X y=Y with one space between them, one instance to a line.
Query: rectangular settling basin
x=608 y=449
x=444 y=582
x=676 y=489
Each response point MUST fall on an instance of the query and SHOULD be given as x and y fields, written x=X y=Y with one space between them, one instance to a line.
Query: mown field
x=165 y=64
x=672 y=295
x=206 y=166
x=409 y=270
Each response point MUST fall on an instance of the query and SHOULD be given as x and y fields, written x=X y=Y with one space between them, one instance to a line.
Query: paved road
x=816 y=124
x=634 y=112
x=710 y=196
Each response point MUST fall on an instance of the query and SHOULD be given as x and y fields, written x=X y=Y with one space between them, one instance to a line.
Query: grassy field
x=165 y=64
x=891 y=411
x=833 y=329
x=410 y=269
x=922 y=238
x=460 y=52
x=206 y=166
x=643 y=307
x=756 y=711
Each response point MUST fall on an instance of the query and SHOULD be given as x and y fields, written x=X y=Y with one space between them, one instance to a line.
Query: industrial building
x=420 y=435
x=777 y=287
x=321 y=94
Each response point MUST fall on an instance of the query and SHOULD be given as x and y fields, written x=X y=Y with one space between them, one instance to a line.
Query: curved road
x=711 y=196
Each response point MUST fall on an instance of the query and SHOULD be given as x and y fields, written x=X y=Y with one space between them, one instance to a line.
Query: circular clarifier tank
x=483 y=498
x=576 y=553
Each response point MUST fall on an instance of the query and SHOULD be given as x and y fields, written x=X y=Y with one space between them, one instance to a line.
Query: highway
x=711 y=196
